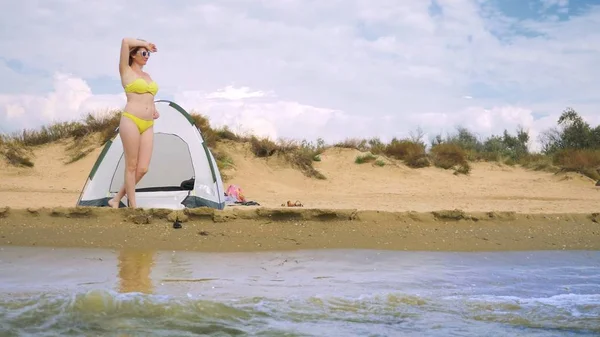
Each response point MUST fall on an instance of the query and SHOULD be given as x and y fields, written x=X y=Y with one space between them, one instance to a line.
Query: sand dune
x=395 y=187
x=271 y=182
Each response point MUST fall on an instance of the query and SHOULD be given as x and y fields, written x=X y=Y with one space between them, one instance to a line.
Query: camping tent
x=182 y=172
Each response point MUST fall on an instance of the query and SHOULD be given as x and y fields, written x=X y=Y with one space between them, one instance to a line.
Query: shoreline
x=249 y=229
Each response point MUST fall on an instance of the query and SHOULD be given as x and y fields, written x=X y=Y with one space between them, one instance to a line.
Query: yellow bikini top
x=140 y=86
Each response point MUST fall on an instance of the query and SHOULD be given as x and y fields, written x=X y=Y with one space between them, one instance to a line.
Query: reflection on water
x=305 y=293
x=134 y=270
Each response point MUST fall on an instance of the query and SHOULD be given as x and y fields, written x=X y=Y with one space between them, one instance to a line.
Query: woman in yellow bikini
x=136 y=126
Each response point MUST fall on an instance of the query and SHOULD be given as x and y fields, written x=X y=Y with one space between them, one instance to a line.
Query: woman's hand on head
x=151 y=47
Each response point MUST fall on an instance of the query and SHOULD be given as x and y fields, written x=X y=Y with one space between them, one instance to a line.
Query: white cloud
x=71 y=99
x=14 y=110
x=563 y=5
x=270 y=117
x=330 y=69
x=232 y=93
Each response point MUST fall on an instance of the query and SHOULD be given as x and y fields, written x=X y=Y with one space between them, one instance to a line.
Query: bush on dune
x=573 y=145
x=450 y=156
x=365 y=158
x=15 y=153
x=538 y=162
x=584 y=161
x=299 y=154
x=353 y=143
x=412 y=153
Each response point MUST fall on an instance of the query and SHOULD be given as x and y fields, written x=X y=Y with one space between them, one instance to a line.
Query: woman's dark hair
x=133 y=51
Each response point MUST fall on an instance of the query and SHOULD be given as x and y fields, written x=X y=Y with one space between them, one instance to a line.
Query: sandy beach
x=495 y=207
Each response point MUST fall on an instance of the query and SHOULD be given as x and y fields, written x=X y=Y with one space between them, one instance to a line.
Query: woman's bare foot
x=113 y=203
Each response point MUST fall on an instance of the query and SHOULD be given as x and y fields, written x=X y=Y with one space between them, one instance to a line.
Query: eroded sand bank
x=259 y=229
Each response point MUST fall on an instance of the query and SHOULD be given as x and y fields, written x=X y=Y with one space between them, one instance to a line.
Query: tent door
x=171 y=199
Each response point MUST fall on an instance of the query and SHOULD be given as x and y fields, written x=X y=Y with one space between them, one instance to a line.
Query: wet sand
x=262 y=229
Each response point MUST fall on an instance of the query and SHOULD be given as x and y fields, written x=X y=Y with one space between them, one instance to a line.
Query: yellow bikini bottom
x=142 y=124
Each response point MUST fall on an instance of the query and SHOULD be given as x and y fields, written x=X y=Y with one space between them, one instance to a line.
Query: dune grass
x=300 y=154
x=584 y=161
x=15 y=154
x=369 y=158
x=572 y=146
x=365 y=158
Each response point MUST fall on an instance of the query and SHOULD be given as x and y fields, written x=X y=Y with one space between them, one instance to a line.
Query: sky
x=311 y=69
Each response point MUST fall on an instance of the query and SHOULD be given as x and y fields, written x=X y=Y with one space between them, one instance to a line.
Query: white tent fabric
x=179 y=154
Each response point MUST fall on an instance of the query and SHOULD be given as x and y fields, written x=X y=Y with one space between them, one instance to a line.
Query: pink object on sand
x=236 y=192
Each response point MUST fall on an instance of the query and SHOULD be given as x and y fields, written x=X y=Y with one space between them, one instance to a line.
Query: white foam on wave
x=555 y=300
x=576 y=305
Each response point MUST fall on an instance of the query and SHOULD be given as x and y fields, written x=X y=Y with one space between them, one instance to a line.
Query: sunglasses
x=145 y=53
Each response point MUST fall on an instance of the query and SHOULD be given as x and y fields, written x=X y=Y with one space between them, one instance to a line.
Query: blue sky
x=308 y=69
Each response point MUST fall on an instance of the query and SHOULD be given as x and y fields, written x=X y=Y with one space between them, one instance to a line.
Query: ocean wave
x=107 y=313
x=569 y=312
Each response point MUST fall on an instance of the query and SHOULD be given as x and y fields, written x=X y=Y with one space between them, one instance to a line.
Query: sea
x=48 y=291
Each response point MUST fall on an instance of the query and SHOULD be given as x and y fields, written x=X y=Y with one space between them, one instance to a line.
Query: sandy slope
x=50 y=182
x=396 y=187
x=271 y=182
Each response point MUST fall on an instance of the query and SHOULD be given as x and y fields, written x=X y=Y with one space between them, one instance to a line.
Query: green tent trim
x=100 y=158
x=181 y=110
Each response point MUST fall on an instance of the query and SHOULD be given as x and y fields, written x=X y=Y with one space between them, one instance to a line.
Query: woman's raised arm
x=126 y=45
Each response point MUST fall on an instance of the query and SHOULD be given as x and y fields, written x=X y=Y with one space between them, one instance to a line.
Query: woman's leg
x=130 y=137
x=142 y=168
x=138 y=176
x=144 y=153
